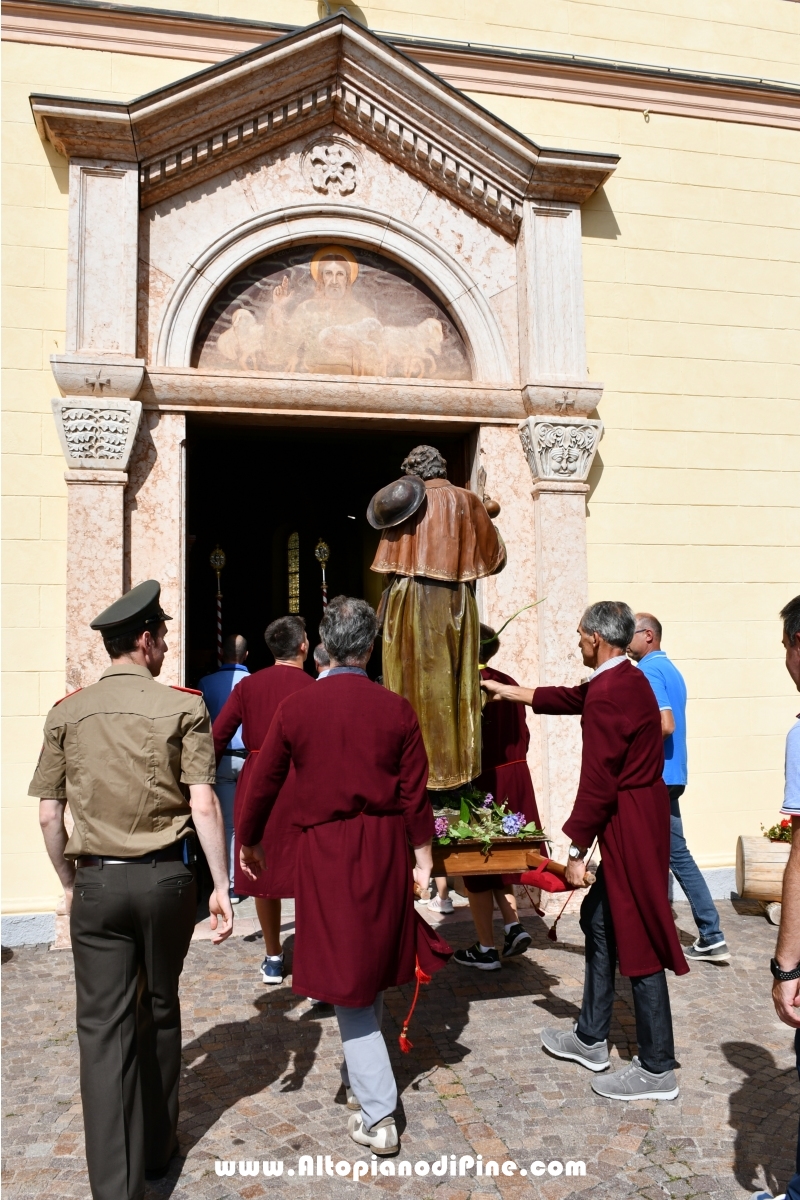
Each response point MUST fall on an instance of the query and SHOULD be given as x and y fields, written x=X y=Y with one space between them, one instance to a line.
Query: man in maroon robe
x=360 y=799
x=623 y=802
x=252 y=704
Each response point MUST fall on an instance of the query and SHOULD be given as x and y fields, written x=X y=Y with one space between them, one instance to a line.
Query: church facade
x=279 y=272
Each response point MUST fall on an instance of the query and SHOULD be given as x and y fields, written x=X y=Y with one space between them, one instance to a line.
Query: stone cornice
x=332 y=72
x=198 y=390
x=93 y=25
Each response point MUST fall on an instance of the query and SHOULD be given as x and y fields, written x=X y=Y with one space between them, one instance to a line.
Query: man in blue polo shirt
x=670 y=692
x=216 y=688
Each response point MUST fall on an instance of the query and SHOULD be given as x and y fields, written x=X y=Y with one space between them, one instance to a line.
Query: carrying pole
x=217 y=561
x=322 y=553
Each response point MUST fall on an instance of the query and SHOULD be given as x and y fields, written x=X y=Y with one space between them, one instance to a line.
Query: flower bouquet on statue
x=483 y=820
x=779 y=833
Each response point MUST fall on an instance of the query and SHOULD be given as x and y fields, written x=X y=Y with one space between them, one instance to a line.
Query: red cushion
x=544 y=879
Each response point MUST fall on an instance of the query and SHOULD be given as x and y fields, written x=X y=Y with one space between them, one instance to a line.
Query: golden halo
x=338 y=252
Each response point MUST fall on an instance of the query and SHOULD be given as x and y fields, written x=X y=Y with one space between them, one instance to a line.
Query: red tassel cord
x=405 y=1044
x=552 y=932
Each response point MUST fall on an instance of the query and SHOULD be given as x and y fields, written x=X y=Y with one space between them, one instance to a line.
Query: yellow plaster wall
x=34 y=491
x=692 y=287
x=691 y=268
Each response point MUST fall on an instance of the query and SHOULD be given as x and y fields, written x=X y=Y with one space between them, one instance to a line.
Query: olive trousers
x=131 y=925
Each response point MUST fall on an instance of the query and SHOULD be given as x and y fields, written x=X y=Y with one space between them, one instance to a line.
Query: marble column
x=95 y=566
x=560 y=451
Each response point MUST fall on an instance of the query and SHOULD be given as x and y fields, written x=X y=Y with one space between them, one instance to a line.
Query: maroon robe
x=623 y=801
x=504 y=752
x=361 y=771
x=253 y=707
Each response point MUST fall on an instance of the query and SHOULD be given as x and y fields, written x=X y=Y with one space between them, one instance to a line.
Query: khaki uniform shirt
x=122 y=753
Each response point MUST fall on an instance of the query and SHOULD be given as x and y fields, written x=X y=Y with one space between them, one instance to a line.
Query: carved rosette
x=97 y=434
x=560 y=448
x=332 y=167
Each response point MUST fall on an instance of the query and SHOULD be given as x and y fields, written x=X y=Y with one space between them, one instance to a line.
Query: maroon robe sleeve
x=604 y=750
x=268 y=776
x=417 y=811
x=559 y=701
x=228 y=721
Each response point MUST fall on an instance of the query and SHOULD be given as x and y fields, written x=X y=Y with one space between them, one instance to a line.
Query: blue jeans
x=690 y=877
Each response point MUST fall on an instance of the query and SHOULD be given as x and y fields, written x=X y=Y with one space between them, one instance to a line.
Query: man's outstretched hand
x=506 y=691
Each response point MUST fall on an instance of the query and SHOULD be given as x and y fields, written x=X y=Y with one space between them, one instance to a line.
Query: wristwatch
x=576 y=853
x=783 y=976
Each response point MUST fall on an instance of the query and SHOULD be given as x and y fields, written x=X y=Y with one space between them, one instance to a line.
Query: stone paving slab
x=261 y=1080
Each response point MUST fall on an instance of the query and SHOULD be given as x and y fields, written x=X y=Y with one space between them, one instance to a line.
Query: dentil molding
x=333 y=73
x=561 y=449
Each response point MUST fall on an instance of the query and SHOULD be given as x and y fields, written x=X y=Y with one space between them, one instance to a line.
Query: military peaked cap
x=139 y=607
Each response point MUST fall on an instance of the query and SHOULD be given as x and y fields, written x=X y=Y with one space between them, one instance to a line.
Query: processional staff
x=217 y=560
x=322 y=554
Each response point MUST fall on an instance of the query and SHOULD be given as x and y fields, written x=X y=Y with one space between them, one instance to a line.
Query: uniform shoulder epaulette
x=191 y=691
x=61 y=699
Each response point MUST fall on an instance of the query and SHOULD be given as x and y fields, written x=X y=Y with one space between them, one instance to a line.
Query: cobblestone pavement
x=261 y=1079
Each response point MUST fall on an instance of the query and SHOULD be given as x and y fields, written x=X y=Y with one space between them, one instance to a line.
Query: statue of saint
x=436 y=540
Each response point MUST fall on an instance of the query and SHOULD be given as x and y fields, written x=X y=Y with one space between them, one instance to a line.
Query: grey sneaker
x=634 y=1083
x=565 y=1043
x=717 y=952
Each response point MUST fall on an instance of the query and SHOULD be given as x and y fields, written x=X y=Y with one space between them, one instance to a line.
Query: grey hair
x=348 y=628
x=790 y=615
x=425 y=461
x=613 y=620
x=321 y=656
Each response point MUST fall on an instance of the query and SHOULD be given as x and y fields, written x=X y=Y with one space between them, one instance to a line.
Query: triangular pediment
x=332 y=73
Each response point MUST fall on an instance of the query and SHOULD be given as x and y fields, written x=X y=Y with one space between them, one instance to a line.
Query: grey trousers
x=228 y=773
x=366 y=1067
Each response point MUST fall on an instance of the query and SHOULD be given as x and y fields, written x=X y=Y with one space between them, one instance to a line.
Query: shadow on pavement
x=763 y=1114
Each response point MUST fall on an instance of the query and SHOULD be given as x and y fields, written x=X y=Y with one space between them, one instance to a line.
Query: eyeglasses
x=645 y=630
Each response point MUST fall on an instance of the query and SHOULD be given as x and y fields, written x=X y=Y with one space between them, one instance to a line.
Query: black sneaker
x=517 y=941
x=473 y=956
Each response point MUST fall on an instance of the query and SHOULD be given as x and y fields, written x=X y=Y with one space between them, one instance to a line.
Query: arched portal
x=270 y=233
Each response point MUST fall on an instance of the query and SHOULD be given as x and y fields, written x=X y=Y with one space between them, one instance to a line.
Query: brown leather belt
x=172 y=853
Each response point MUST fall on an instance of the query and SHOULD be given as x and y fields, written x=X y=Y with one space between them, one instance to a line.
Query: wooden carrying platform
x=461 y=858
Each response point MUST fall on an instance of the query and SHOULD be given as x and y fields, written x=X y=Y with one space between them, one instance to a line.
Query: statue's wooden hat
x=396 y=502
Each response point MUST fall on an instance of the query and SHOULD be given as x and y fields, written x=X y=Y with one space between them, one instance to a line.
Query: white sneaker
x=459 y=901
x=352 y=1102
x=440 y=906
x=382 y=1138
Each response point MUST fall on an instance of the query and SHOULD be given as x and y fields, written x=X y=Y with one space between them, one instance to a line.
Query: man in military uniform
x=135 y=762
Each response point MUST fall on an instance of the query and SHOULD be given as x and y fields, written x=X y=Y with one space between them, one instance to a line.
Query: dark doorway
x=251 y=488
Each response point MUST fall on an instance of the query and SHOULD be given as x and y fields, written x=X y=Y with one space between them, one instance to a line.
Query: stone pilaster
x=560 y=451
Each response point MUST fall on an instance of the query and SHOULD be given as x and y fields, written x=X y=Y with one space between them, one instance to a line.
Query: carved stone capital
x=566 y=398
x=560 y=449
x=97 y=375
x=97 y=435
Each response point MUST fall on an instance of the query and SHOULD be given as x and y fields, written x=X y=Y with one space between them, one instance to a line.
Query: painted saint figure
x=436 y=540
x=335 y=330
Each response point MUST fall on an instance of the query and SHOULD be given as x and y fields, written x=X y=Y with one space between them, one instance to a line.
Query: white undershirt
x=608 y=664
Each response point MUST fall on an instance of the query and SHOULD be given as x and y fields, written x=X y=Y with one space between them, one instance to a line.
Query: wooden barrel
x=760 y=864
